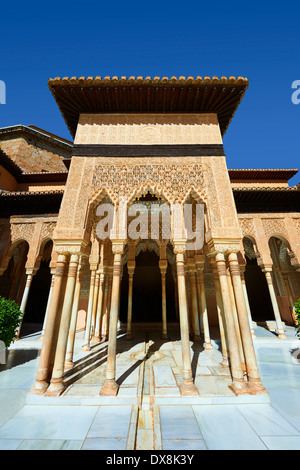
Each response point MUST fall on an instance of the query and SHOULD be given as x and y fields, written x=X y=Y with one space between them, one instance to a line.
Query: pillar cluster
x=233 y=312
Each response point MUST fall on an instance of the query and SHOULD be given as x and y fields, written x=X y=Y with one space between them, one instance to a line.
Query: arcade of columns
x=174 y=182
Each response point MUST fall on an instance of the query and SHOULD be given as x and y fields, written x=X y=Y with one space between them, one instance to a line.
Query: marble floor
x=149 y=412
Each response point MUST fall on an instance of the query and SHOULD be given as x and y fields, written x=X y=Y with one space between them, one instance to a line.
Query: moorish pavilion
x=152 y=142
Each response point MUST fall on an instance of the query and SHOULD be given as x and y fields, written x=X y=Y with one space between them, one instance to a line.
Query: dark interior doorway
x=258 y=292
x=38 y=295
x=147 y=292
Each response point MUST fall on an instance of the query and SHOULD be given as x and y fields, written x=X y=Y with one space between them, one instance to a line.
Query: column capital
x=70 y=247
x=118 y=246
x=179 y=246
x=224 y=247
x=163 y=265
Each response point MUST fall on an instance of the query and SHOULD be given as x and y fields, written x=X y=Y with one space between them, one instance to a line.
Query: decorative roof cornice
x=262 y=174
x=51 y=140
x=9 y=164
x=75 y=96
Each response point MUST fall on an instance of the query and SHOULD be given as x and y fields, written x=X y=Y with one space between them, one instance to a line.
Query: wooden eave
x=75 y=96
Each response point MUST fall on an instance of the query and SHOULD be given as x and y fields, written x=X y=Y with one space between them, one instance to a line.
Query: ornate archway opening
x=39 y=292
x=286 y=278
x=13 y=280
x=257 y=289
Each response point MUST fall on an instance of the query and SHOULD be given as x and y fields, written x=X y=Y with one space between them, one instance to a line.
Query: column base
x=68 y=365
x=55 y=389
x=281 y=336
x=128 y=336
x=255 y=387
x=239 y=387
x=188 y=389
x=39 y=388
x=207 y=346
x=104 y=338
x=96 y=339
x=164 y=336
x=109 y=388
x=225 y=362
x=86 y=347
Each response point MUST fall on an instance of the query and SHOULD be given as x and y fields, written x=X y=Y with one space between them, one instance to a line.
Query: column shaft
x=188 y=387
x=52 y=325
x=48 y=305
x=110 y=386
x=235 y=360
x=203 y=309
x=250 y=358
x=194 y=304
x=280 y=329
x=57 y=386
x=89 y=315
x=97 y=334
x=72 y=333
x=221 y=320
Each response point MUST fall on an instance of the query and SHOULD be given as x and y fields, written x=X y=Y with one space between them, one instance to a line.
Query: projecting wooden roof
x=76 y=96
x=262 y=174
x=268 y=199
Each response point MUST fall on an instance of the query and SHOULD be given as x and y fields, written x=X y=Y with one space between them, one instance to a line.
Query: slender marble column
x=280 y=329
x=247 y=302
x=89 y=316
x=250 y=358
x=188 y=299
x=187 y=387
x=163 y=264
x=70 y=348
x=110 y=386
x=203 y=307
x=286 y=280
x=236 y=321
x=97 y=335
x=235 y=360
x=105 y=314
x=194 y=303
x=52 y=325
x=57 y=386
x=175 y=290
x=131 y=268
x=221 y=319
x=48 y=305
x=95 y=302
x=29 y=276
x=204 y=325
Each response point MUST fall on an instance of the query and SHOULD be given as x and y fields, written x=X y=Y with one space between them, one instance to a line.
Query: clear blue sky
x=258 y=40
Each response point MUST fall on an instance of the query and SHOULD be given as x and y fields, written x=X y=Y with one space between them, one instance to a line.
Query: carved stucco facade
x=79 y=258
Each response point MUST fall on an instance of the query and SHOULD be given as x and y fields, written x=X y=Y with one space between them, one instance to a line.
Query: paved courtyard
x=149 y=412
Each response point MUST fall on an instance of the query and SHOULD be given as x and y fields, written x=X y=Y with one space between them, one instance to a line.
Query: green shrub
x=297 y=313
x=10 y=320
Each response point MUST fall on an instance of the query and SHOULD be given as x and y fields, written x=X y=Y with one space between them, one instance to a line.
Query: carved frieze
x=21 y=231
x=172 y=182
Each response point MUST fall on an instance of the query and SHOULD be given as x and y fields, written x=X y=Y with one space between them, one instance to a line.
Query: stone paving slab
x=216 y=419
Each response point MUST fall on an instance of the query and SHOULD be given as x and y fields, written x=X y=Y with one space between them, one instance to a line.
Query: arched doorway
x=257 y=288
x=13 y=280
x=286 y=279
x=147 y=289
x=38 y=295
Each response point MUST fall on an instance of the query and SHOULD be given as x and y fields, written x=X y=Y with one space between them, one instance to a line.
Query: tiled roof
x=75 y=96
x=262 y=174
x=29 y=193
x=9 y=164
